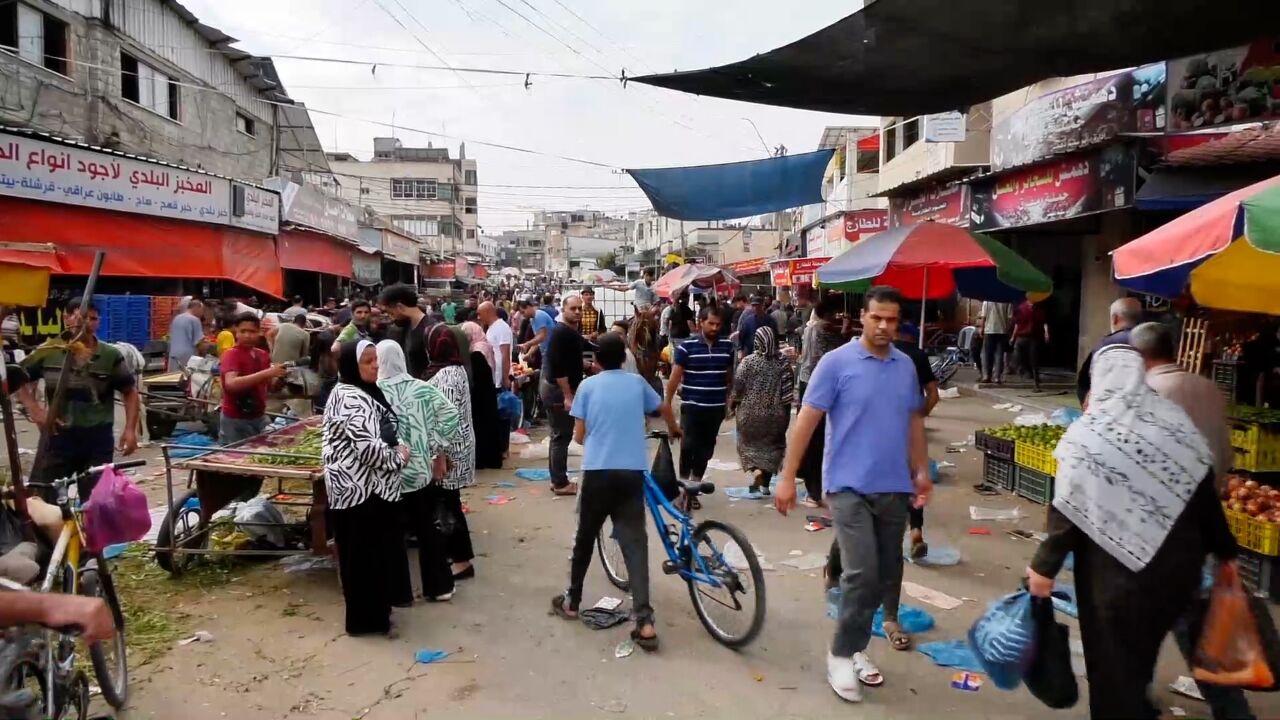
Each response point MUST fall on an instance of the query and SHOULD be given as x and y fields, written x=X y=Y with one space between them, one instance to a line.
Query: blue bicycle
x=726 y=582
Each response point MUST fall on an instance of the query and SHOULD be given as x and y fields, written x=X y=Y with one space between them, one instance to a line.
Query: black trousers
x=811 y=464
x=616 y=495
x=447 y=505
x=701 y=426
x=1027 y=351
x=372 y=563
x=420 y=511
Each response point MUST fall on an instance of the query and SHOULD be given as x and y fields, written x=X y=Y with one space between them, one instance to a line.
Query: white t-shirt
x=499 y=334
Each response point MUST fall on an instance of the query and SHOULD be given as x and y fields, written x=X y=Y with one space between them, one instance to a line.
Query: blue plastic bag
x=533 y=474
x=952 y=653
x=1003 y=639
x=509 y=405
x=912 y=619
x=1064 y=416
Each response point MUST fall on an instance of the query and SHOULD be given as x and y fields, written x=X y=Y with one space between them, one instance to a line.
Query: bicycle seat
x=694 y=489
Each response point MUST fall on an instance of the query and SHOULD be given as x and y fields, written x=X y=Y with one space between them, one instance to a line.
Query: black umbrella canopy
x=915 y=57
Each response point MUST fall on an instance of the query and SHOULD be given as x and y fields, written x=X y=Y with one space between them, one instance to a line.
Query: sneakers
x=843 y=678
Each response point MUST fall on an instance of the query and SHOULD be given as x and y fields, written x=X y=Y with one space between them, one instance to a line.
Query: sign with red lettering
x=948 y=205
x=863 y=223
x=1070 y=187
x=748 y=267
x=802 y=270
x=780 y=273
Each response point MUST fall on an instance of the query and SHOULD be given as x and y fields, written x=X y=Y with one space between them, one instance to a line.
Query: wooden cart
x=216 y=477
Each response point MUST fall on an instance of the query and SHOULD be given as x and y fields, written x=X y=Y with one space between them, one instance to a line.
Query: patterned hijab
x=478 y=341
x=765 y=372
x=766 y=343
x=1128 y=467
x=442 y=350
x=349 y=370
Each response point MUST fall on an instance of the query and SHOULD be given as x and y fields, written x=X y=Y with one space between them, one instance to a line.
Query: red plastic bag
x=116 y=512
x=1230 y=651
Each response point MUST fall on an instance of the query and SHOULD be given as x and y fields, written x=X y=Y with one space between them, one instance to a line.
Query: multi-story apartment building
x=579 y=235
x=424 y=191
x=525 y=249
x=146 y=77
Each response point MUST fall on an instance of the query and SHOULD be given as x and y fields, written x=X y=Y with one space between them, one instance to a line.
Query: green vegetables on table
x=1042 y=436
x=1249 y=413
x=302 y=451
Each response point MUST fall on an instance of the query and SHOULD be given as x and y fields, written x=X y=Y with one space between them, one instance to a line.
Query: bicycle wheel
x=615 y=566
x=181 y=528
x=110 y=665
x=734 y=612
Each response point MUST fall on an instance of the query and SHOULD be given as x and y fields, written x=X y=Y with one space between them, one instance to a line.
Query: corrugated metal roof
x=1255 y=144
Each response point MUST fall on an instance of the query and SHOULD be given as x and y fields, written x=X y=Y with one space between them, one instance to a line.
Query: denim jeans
x=868 y=530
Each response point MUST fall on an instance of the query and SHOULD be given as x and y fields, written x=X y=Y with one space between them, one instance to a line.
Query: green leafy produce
x=1248 y=413
x=1042 y=436
x=302 y=451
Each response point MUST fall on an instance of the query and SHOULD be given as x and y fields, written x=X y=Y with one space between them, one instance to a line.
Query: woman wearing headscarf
x=761 y=398
x=446 y=373
x=1134 y=500
x=362 y=463
x=491 y=433
x=427 y=423
x=821 y=336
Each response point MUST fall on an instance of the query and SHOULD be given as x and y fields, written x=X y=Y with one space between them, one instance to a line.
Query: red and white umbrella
x=695 y=275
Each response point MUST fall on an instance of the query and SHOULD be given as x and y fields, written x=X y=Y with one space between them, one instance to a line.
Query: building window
x=469 y=205
x=444 y=191
x=423 y=225
x=39 y=39
x=891 y=141
x=364 y=190
x=246 y=125
x=142 y=84
x=471 y=234
x=910 y=133
x=411 y=189
x=469 y=177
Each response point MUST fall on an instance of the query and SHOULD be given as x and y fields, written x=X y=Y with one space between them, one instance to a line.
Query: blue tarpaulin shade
x=735 y=190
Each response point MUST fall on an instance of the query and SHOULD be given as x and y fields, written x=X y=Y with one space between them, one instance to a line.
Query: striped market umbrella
x=934 y=261
x=1227 y=251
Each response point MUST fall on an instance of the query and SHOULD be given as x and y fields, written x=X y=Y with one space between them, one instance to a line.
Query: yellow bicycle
x=72 y=569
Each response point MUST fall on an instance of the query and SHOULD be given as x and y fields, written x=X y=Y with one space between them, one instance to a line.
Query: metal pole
x=11 y=446
x=924 y=300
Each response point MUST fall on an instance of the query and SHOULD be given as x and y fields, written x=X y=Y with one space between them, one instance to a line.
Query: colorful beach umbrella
x=934 y=261
x=1227 y=251
x=700 y=275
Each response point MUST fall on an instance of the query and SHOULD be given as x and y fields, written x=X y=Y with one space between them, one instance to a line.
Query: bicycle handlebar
x=62 y=482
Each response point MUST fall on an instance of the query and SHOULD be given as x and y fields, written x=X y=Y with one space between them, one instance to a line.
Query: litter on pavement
x=602 y=619
x=812 y=561
x=951 y=653
x=986 y=513
x=534 y=474
x=426 y=657
x=814 y=527
x=1187 y=687
x=966 y=681
x=742 y=493
x=625 y=648
x=504 y=484
x=498 y=499
x=941 y=553
x=203 y=636
x=722 y=465
x=306 y=563
x=608 y=603
x=931 y=596
x=979 y=531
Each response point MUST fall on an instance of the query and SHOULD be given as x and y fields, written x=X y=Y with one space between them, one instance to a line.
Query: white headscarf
x=1129 y=465
x=391 y=360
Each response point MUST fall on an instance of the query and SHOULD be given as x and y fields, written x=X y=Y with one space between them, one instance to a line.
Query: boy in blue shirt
x=609 y=411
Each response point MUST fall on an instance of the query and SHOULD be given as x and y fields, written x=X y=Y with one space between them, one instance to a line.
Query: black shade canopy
x=914 y=57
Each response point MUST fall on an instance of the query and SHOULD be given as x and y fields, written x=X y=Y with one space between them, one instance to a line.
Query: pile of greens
x=303 y=451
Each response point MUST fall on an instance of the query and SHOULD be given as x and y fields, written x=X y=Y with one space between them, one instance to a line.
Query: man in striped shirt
x=702 y=370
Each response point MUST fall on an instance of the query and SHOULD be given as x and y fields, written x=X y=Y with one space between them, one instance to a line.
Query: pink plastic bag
x=116 y=512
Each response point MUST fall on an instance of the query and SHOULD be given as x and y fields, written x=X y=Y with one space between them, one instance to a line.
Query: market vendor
x=247 y=371
x=84 y=432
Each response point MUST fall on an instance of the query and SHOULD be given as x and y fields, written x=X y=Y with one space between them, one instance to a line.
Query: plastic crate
x=992 y=445
x=1226 y=375
x=1036 y=458
x=1256 y=447
x=1258 y=573
x=1259 y=536
x=1034 y=485
x=998 y=472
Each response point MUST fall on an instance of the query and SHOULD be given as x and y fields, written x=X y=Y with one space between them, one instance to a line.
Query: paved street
x=279 y=650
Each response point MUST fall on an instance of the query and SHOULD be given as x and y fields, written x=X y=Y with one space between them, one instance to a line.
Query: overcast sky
x=596 y=120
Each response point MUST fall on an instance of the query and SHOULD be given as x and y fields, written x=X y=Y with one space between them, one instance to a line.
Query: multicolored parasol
x=1228 y=251
x=699 y=275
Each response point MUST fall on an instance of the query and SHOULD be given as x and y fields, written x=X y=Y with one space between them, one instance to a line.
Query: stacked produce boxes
x=124 y=318
x=1020 y=459
x=163 y=308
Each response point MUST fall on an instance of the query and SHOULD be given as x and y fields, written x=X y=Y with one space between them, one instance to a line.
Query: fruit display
x=1045 y=437
x=302 y=450
x=1260 y=415
x=1259 y=502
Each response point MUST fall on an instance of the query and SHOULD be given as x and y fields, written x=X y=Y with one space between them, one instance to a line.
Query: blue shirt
x=614 y=404
x=706 y=371
x=747 y=326
x=542 y=320
x=551 y=310
x=869 y=404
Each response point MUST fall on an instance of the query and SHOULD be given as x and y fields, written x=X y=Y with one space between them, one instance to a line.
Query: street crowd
x=413 y=405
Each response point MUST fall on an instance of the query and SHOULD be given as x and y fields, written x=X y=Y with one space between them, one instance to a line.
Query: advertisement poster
x=1081 y=116
x=802 y=270
x=1235 y=85
x=815 y=240
x=948 y=205
x=1070 y=187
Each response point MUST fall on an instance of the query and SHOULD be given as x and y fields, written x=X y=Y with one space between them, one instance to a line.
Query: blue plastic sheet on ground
x=911 y=618
x=430 y=656
x=939 y=555
x=504 y=484
x=742 y=493
x=111 y=552
x=1064 y=599
x=534 y=474
x=952 y=653
x=196 y=439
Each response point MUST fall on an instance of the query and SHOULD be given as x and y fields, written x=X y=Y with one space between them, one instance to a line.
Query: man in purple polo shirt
x=874 y=463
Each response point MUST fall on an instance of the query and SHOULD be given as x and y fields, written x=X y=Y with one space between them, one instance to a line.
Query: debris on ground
x=742 y=493
x=601 y=619
x=1187 y=687
x=979 y=531
x=498 y=499
x=929 y=595
x=504 y=484
x=951 y=653
x=426 y=657
x=203 y=636
x=986 y=513
x=814 y=527
x=812 y=561
x=967 y=681
x=723 y=465
x=307 y=563
x=624 y=649
x=608 y=603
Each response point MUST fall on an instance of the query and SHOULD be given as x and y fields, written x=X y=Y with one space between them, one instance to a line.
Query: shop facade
x=318 y=237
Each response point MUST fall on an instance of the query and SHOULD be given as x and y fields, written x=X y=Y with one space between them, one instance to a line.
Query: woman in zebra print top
x=362 y=464
x=447 y=373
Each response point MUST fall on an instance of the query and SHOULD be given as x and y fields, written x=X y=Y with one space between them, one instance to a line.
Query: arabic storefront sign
x=254 y=208
x=863 y=223
x=1066 y=188
x=944 y=127
x=815 y=240
x=1240 y=84
x=748 y=267
x=780 y=273
x=305 y=205
x=443 y=270
x=366 y=269
x=802 y=270
x=461 y=269
x=1081 y=116
x=40 y=170
x=948 y=205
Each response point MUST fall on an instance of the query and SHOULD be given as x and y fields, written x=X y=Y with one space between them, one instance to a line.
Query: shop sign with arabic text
x=1066 y=188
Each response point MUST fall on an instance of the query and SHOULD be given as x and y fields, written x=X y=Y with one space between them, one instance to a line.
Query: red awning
x=34 y=255
x=870 y=143
x=306 y=250
x=144 y=246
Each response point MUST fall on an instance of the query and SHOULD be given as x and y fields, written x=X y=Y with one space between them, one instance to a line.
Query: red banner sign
x=748 y=267
x=440 y=270
x=948 y=205
x=861 y=223
x=780 y=273
x=1074 y=186
x=802 y=270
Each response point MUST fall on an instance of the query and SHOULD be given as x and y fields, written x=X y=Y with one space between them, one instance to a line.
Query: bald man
x=500 y=337
x=1126 y=313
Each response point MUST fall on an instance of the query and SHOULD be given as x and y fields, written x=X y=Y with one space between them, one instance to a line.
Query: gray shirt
x=292 y=344
x=185 y=332
x=997 y=318
x=645 y=295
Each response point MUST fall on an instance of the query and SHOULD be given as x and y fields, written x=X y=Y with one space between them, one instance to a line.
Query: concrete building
x=578 y=235
x=850 y=208
x=425 y=191
x=147 y=77
x=524 y=249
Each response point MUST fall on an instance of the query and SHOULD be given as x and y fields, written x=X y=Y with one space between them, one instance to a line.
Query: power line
x=601 y=33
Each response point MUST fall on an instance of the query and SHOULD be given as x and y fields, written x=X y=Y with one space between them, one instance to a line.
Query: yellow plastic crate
x=1037 y=458
x=1259 y=536
x=1256 y=447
